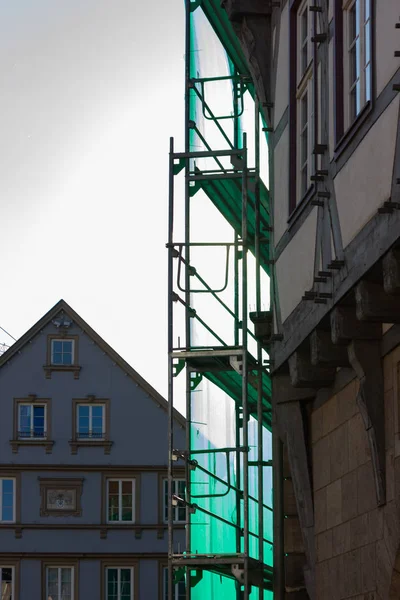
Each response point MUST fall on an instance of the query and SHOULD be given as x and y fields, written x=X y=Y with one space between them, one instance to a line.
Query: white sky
x=90 y=92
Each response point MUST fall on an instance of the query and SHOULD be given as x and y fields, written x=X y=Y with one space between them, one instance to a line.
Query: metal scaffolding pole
x=237 y=193
x=170 y=364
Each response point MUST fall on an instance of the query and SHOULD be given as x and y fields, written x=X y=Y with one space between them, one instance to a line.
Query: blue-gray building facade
x=83 y=467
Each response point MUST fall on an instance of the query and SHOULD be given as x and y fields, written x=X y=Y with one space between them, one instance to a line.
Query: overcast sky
x=90 y=91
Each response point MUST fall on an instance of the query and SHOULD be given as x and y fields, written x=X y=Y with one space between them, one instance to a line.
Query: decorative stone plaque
x=60 y=497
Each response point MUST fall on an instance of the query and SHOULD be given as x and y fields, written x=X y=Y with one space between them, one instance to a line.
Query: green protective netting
x=213 y=403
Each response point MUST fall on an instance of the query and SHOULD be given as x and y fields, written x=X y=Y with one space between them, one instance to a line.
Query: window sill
x=48 y=444
x=75 y=444
x=75 y=369
x=352 y=131
x=301 y=206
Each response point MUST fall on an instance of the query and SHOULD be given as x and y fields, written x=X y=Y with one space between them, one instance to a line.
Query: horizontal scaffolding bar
x=208 y=153
x=211 y=177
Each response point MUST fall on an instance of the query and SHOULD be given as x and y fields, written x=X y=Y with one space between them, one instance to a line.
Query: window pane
x=57 y=346
x=113 y=510
x=24 y=426
x=97 y=411
x=52 y=583
x=125 y=583
x=181 y=488
x=127 y=500
x=67 y=346
x=113 y=487
x=127 y=487
x=57 y=358
x=304 y=41
x=67 y=358
x=38 y=411
x=83 y=426
x=367 y=30
x=66 y=584
x=181 y=590
x=24 y=410
x=97 y=426
x=38 y=420
x=83 y=410
x=368 y=83
x=6 y=574
x=83 y=420
x=66 y=575
x=126 y=514
x=112 y=584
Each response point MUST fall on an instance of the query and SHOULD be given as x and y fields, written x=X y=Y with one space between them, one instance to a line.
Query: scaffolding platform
x=228 y=565
x=214 y=359
x=226 y=195
x=222 y=366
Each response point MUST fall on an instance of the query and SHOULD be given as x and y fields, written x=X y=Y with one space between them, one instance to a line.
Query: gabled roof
x=134 y=375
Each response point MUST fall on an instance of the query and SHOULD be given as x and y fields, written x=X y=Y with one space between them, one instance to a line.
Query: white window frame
x=120 y=480
x=1 y=498
x=32 y=405
x=59 y=568
x=52 y=352
x=90 y=437
x=165 y=586
x=175 y=509
x=118 y=569
x=12 y=578
x=304 y=83
x=365 y=89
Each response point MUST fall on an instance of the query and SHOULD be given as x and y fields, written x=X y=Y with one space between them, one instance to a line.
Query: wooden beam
x=374 y=305
x=391 y=272
x=345 y=326
x=304 y=374
x=365 y=358
x=326 y=354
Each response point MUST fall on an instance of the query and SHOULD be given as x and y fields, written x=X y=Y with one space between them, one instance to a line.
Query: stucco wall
x=281 y=185
x=295 y=266
x=364 y=183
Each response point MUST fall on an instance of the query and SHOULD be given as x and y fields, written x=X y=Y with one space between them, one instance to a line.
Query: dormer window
x=62 y=352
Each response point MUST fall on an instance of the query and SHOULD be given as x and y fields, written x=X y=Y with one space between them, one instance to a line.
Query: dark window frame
x=294 y=202
x=342 y=134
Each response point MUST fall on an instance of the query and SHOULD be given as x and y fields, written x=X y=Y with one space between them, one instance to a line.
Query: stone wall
x=357 y=542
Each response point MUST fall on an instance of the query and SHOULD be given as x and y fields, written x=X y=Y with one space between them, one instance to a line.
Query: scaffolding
x=229 y=532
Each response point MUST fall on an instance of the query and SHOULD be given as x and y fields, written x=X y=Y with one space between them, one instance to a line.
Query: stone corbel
x=365 y=358
x=289 y=419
